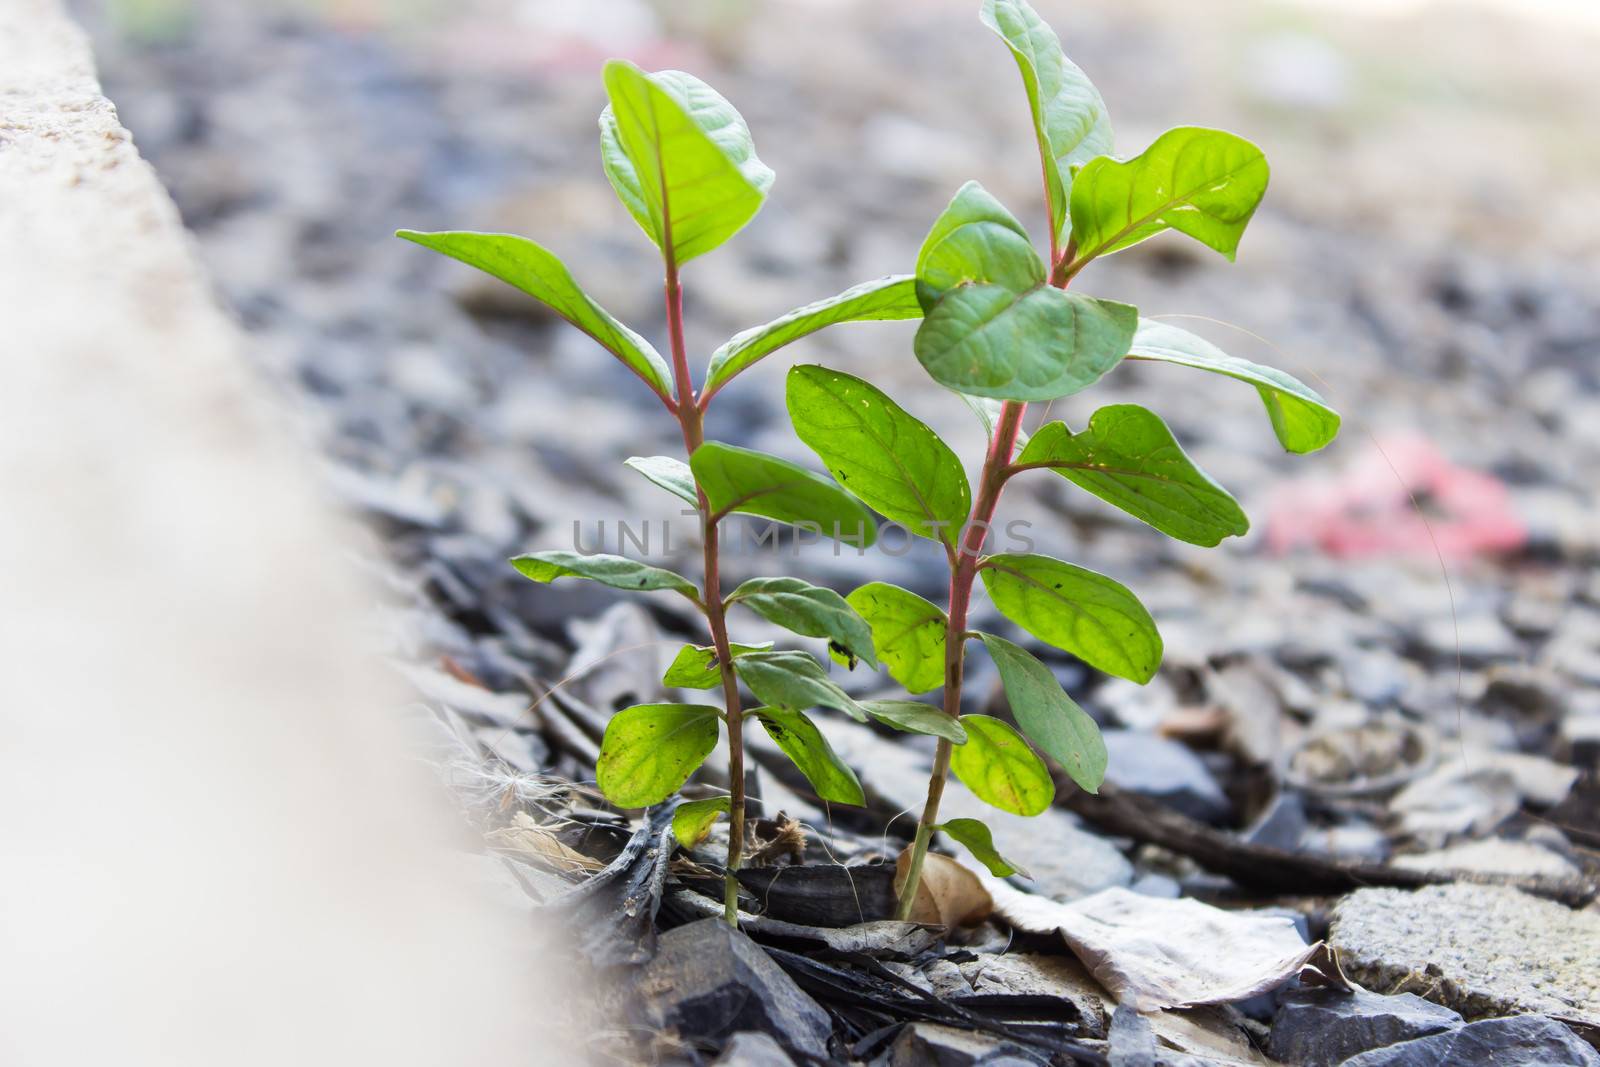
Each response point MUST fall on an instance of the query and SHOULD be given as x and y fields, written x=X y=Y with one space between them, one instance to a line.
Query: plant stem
x=691 y=418
x=973 y=535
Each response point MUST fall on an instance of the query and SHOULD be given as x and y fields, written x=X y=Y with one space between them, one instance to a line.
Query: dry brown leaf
x=948 y=894
x=1156 y=953
x=779 y=838
x=526 y=838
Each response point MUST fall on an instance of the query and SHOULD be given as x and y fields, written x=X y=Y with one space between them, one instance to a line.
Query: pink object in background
x=1368 y=511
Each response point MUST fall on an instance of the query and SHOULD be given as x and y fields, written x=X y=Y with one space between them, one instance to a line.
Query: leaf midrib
x=1083 y=258
x=1074 y=606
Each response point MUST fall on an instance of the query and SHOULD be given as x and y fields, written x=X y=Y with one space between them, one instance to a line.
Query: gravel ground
x=1425 y=257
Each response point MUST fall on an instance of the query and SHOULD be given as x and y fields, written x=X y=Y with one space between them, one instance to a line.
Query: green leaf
x=680 y=158
x=743 y=480
x=673 y=475
x=986 y=340
x=980 y=842
x=692 y=820
x=1205 y=183
x=808 y=610
x=894 y=297
x=975 y=239
x=879 y=452
x=649 y=750
x=536 y=271
x=1069 y=117
x=1093 y=617
x=1127 y=457
x=907 y=631
x=794 y=680
x=618 y=572
x=803 y=743
x=1302 y=420
x=1051 y=719
x=915 y=717
x=696 y=667
x=997 y=765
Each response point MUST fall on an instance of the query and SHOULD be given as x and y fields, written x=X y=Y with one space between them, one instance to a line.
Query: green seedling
x=682 y=162
x=1002 y=329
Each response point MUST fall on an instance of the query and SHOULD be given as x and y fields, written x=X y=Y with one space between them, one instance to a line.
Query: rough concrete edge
x=223 y=831
x=1473 y=1004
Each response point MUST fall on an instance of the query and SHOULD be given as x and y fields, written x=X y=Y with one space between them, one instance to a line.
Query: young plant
x=1001 y=329
x=682 y=162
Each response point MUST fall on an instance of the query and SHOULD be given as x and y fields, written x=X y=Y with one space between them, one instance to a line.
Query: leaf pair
x=994 y=326
x=683 y=163
x=649 y=750
x=1101 y=622
x=681 y=160
x=1069 y=116
x=1204 y=183
x=786 y=683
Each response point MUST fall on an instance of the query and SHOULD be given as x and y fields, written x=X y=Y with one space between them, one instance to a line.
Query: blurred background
x=1427 y=257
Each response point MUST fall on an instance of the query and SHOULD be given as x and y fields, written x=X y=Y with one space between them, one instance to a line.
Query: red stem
x=691 y=418
x=964 y=568
x=990 y=483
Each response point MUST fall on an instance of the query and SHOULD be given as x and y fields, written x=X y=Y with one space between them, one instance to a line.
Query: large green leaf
x=649 y=750
x=803 y=743
x=1302 y=420
x=907 y=631
x=880 y=452
x=794 y=680
x=619 y=572
x=894 y=297
x=915 y=717
x=673 y=475
x=680 y=158
x=692 y=819
x=980 y=842
x=1051 y=719
x=997 y=765
x=975 y=239
x=1093 y=617
x=1041 y=344
x=809 y=610
x=744 y=480
x=696 y=667
x=1069 y=117
x=536 y=271
x=1128 y=457
x=1205 y=183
